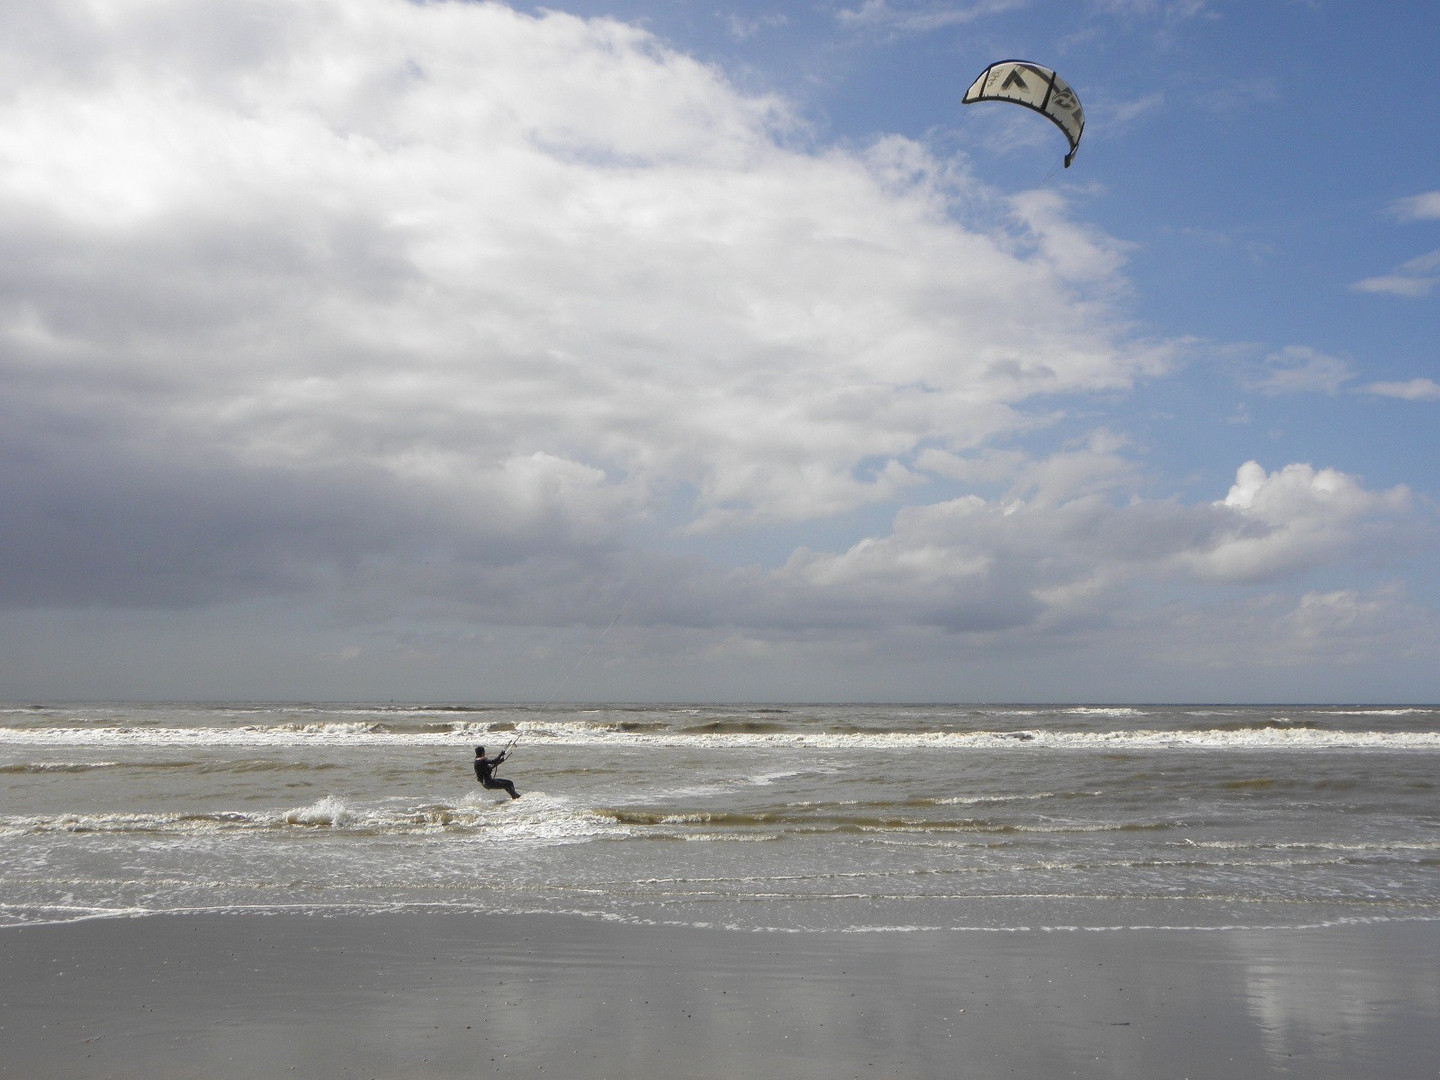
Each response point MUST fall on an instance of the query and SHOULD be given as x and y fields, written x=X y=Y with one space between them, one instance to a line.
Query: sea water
x=786 y=818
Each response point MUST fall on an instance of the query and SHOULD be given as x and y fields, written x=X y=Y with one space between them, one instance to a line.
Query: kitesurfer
x=484 y=772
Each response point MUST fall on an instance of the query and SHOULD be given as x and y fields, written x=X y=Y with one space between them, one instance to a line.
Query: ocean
x=784 y=818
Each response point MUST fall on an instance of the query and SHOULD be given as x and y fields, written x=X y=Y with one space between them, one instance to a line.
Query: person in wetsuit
x=485 y=772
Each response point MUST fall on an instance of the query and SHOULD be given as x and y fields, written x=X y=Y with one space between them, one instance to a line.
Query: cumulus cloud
x=1064 y=550
x=527 y=280
x=1291 y=520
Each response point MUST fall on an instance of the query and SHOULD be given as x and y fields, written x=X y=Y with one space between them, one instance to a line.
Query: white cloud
x=1418 y=276
x=1412 y=279
x=742 y=28
x=1076 y=253
x=1413 y=390
x=1396 y=285
x=910 y=16
x=1292 y=520
x=1062 y=552
x=1297 y=369
x=1125 y=114
x=1324 y=616
x=1169 y=10
x=513 y=270
x=1423 y=207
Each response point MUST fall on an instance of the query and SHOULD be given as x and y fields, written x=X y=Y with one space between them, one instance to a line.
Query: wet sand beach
x=442 y=995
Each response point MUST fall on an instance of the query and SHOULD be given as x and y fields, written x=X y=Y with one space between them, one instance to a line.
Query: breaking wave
x=740 y=735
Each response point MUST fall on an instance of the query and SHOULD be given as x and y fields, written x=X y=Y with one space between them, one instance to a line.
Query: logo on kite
x=1036 y=88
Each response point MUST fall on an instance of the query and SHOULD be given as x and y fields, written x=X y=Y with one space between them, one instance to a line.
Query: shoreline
x=428 y=994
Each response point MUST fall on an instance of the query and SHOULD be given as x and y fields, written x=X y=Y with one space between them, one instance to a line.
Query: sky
x=641 y=350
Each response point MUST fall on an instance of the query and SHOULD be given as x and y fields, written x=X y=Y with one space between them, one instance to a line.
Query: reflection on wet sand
x=431 y=995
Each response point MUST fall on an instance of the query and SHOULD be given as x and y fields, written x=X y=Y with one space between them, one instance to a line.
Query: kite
x=1036 y=88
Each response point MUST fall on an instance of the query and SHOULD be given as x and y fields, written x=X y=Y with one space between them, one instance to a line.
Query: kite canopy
x=1036 y=88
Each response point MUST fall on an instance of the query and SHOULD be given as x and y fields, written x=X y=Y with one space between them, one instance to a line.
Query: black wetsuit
x=485 y=773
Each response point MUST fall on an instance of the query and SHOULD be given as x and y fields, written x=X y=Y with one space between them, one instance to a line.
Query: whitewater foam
x=1280 y=737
